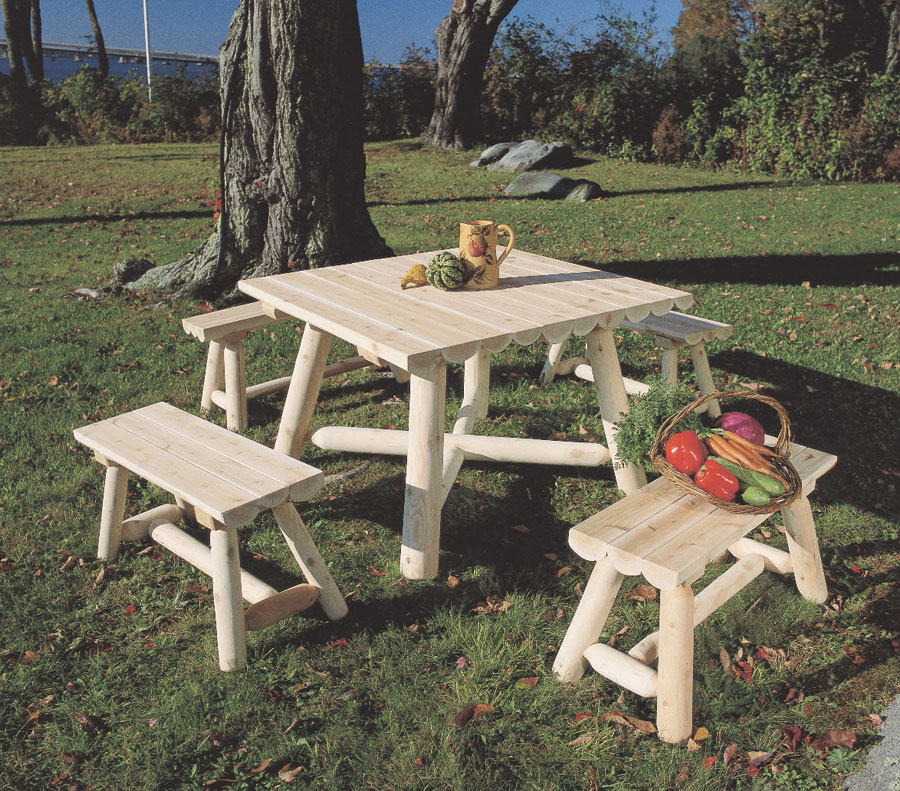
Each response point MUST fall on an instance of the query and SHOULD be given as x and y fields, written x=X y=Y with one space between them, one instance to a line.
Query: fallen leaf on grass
x=28 y=657
x=375 y=572
x=729 y=752
x=452 y=581
x=462 y=719
x=642 y=593
x=759 y=758
x=584 y=715
x=644 y=726
x=491 y=605
x=709 y=762
x=529 y=682
x=482 y=708
x=581 y=740
x=261 y=766
x=288 y=773
x=700 y=734
x=836 y=738
x=684 y=774
x=563 y=570
x=693 y=747
x=875 y=719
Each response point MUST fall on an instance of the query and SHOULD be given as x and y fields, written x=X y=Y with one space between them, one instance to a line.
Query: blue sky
x=388 y=26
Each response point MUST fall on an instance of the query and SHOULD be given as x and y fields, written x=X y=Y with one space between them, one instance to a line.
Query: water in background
x=58 y=68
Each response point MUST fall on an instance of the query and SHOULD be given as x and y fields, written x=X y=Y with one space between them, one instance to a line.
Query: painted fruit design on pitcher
x=477 y=248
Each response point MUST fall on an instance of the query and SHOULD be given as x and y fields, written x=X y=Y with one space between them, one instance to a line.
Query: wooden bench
x=670 y=332
x=225 y=382
x=222 y=481
x=669 y=537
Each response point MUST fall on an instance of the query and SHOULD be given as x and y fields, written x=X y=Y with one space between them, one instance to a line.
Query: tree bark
x=464 y=40
x=15 y=43
x=37 y=40
x=292 y=81
x=103 y=61
x=892 y=59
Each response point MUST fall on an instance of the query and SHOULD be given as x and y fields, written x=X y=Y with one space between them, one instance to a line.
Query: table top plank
x=362 y=303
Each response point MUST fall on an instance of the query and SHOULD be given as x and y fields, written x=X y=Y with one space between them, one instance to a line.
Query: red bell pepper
x=712 y=477
x=685 y=452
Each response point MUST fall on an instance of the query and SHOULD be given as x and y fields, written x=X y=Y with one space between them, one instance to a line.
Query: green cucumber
x=754 y=495
x=769 y=485
x=741 y=473
x=766 y=483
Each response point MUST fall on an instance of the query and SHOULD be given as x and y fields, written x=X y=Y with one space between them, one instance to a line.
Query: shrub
x=668 y=139
x=398 y=100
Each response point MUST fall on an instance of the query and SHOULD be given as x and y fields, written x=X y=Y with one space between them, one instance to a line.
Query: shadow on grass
x=102 y=218
x=819 y=270
x=831 y=413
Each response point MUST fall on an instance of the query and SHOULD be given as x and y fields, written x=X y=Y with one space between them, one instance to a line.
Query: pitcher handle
x=510 y=245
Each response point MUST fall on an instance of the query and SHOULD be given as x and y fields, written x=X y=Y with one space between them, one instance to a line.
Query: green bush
x=398 y=100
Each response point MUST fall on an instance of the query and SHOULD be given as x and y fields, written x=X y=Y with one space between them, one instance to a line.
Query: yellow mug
x=478 y=252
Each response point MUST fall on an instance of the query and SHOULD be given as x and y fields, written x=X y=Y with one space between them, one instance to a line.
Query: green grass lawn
x=108 y=675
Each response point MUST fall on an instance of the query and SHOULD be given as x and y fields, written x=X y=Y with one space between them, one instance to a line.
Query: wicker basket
x=780 y=463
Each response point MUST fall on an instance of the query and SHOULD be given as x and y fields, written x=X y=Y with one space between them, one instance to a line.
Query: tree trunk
x=15 y=43
x=292 y=80
x=464 y=40
x=893 y=45
x=98 y=39
x=37 y=40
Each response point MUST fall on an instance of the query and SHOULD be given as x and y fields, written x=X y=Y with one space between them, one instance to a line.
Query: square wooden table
x=421 y=329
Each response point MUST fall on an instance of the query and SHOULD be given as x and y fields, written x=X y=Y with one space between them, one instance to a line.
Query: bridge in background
x=77 y=52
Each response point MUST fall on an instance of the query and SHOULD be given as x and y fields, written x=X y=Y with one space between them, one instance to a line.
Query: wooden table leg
x=422 y=507
x=476 y=384
x=675 y=688
x=613 y=401
x=588 y=621
x=303 y=390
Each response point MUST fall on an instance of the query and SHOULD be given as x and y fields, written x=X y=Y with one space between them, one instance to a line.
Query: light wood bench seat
x=669 y=536
x=225 y=380
x=670 y=332
x=223 y=481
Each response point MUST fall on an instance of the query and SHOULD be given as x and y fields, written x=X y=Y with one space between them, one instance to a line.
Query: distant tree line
x=800 y=87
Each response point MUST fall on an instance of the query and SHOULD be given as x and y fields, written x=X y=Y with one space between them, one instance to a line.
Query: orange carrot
x=749 y=444
x=722 y=447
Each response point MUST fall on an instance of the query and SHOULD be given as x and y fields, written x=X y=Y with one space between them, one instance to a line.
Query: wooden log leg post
x=613 y=401
x=114 y=490
x=214 y=379
x=310 y=561
x=231 y=635
x=235 y=382
x=551 y=364
x=675 y=694
x=422 y=506
x=303 y=392
x=804 y=548
x=704 y=377
x=588 y=621
x=669 y=363
x=476 y=383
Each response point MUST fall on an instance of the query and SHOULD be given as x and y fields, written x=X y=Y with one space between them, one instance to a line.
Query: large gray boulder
x=550 y=185
x=492 y=154
x=532 y=155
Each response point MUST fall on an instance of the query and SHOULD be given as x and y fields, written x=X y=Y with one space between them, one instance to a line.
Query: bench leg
x=704 y=377
x=551 y=364
x=114 y=490
x=669 y=364
x=588 y=621
x=675 y=696
x=235 y=384
x=231 y=635
x=310 y=561
x=214 y=378
x=804 y=547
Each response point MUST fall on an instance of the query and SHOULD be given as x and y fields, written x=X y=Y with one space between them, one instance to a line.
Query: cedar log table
x=423 y=328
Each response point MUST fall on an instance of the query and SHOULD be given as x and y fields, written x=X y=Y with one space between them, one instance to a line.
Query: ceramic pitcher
x=478 y=251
